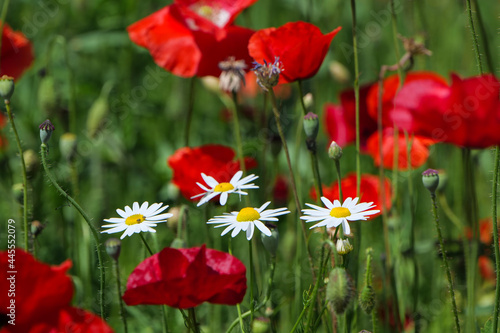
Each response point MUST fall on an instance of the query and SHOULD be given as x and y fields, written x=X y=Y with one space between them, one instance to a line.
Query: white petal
x=327 y=202
x=263 y=207
x=135 y=207
x=128 y=211
x=345 y=226
x=223 y=198
x=262 y=227
x=121 y=213
x=210 y=180
x=250 y=231
x=160 y=217
x=207 y=198
x=115 y=220
x=228 y=229
x=234 y=180
x=237 y=229
x=144 y=207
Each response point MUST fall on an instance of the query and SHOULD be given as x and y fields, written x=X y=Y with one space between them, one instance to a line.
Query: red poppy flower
x=419 y=149
x=213 y=160
x=465 y=113
x=370 y=190
x=300 y=46
x=42 y=297
x=280 y=190
x=185 y=278
x=341 y=119
x=391 y=87
x=486 y=268
x=190 y=37
x=17 y=53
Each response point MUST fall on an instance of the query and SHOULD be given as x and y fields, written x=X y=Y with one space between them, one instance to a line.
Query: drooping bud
x=430 y=178
x=343 y=246
x=46 y=129
x=36 y=228
x=271 y=242
x=113 y=247
x=334 y=151
x=367 y=299
x=414 y=46
x=232 y=76
x=6 y=87
x=268 y=74
x=339 y=290
x=311 y=126
x=67 y=145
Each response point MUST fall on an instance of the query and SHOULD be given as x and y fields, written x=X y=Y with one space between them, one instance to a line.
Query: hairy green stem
x=145 y=243
x=474 y=37
x=445 y=260
x=356 y=96
x=494 y=213
x=192 y=317
x=339 y=180
x=190 y=108
x=87 y=219
x=252 y=281
x=25 y=177
x=120 y=301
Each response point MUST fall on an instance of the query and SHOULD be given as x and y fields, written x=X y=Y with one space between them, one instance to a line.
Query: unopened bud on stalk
x=343 y=246
x=113 y=247
x=31 y=161
x=430 y=178
x=334 y=152
x=67 y=145
x=261 y=325
x=271 y=242
x=36 y=228
x=339 y=290
x=46 y=129
x=367 y=299
x=6 y=87
x=18 y=192
x=311 y=126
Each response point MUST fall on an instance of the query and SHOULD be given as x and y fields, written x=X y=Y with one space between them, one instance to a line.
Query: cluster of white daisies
x=143 y=218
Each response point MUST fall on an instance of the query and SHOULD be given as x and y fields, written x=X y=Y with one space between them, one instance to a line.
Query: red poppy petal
x=16 y=53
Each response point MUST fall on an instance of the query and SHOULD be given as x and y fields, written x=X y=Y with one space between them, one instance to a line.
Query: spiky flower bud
x=343 y=246
x=430 y=178
x=113 y=247
x=339 y=290
x=271 y=242
x=6 y=87
x=232 y=75
x=334 y=151
x=311 y=126
x=268 y=74
x=46 y=129
x=367 y=299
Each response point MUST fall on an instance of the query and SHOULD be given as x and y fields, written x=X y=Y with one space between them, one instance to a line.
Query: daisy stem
x=339 y=179
x=190 y=108
x=25 y=177
x=145 y=243
x=237 y=133
x=93 y=229
x=494 y=196
x=120 y=301
x=445 y=260
x=252 y=280
x=322 y=266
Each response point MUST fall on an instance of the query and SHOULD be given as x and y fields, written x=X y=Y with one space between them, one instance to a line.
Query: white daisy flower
x=235 y=185
x=247 y=219
x=336 y=214
x=137 y=219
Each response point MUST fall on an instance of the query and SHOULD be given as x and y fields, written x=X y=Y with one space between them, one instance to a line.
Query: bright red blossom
x=190 y=38
x=43 y=296
x=300 y=46
x=185 y=278
x=213 y=160
x=419 y=149
x=17 y=53
x=465 y=113
x=341 y=119
x=370 y=191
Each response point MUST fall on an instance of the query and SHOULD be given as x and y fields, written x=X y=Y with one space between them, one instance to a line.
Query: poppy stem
x=25 y=177
x=192 y=317
x=474 y=37
x=339 y=179
x=93 y=229
x=120 y=301
x=445 y=260
x=190 y=108
x=494 y=196
x=145 y=243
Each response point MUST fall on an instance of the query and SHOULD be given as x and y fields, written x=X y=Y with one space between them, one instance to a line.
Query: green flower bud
x=178 y=243
x=443 y=180
x=343 y=246
x=311 y=126
x=99 y=111
x=36 y=228
x=67 y=146
x=261 y=325
x=46 y=129
x=430 y=178
x=308 y=101
x=339 y=290
x=18 y=192
x=6 y=87
x=31 y=161
x=271 y=242
x=113 y=247
x=367 y=299
x=334 y=152
x=49 y=96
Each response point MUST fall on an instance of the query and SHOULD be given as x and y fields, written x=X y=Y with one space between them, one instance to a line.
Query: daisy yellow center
x=223 y=187
x=134 y=219
x=340 y=212
x=247 y=214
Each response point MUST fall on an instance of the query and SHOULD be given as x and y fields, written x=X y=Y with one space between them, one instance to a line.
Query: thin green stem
x=395 y=41
x=494 y=213
x=145 y=243
x=322 y=266
x=192 y=316
x=190 y=108
x=120 y=301
x=474 y=37
x=87 y=219
x=339 y=179
x=252 y=280
x=164 y=318
x=304 y=309
x=237 y=133
x=25 y=177
x=445 y=260
x=239 y=320
x=356 y=96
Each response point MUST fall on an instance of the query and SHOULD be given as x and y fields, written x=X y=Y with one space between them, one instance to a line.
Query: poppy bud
x=178 y=243
x=36 y=228
x=46 y=129
x=6 y=87
x=308 y=101
x=113 y=247
x=268 y=75
x=31 y=161
x=261 y=325
x=443 y=180
x=367 y=299
x=343 y=246
x=311 y=126
x=99 y=111
x=17 y=191
x=271 y=242
x=339 y=290
x=334 y=152
x=430 y=178
x=49 y=96
x=67 y=145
